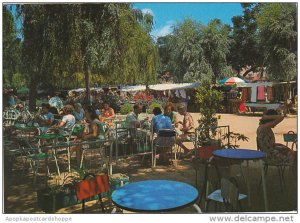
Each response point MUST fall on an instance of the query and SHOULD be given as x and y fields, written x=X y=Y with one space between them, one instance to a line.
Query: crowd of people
x=56 y=114
x=95 y=119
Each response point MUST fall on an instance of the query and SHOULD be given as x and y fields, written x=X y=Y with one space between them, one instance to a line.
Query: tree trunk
x=87 y=83
x=32 y=94
x=286 y=97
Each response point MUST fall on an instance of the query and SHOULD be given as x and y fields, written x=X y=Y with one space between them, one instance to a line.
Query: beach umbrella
x=223 y=80
x=234 y=80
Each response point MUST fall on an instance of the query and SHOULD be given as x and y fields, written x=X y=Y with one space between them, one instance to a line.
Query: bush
x=126 y=108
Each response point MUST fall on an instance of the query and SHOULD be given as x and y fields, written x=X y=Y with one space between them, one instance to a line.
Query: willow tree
x=215 y=43
x=67 y=39
x=138 y=58
x=187 y=57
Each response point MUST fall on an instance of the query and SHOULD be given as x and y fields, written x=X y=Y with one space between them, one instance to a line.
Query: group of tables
x=163 y=195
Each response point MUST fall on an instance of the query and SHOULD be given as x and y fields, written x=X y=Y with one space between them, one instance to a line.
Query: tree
x=216 y=44
x=245 y=49
x=80 y=41
x=187 y=59
x=195 y=52
x=277 y=24
x=11 y=47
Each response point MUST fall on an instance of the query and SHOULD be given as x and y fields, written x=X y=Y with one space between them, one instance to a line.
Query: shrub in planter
x=126 y=108
x=61 y=195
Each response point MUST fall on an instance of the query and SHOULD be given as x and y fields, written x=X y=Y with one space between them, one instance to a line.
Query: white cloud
x=165 y=30
x=147 y=11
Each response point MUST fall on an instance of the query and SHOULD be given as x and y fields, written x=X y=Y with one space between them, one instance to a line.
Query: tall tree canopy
x=195 y=52
x=11 y=50
x=63 y=40
x=277 y=25
x=245 y=48
x=216 y=44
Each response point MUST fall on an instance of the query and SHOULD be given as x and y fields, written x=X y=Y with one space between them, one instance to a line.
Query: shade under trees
x=63 y=40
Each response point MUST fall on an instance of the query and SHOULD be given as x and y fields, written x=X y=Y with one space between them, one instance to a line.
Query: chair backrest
x=290 y=137
x=230 y=192
x=92 y=185
x=166 y=133
x=212 y=176
x=77 y=129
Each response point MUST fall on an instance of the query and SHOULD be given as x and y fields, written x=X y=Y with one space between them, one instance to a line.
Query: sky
x=166 y=15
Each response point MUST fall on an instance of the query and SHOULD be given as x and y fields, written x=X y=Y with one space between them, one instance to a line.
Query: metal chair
x=291 y=137
x=230 y=194
x=97 y=145
x=220 y=192
x=166 y=138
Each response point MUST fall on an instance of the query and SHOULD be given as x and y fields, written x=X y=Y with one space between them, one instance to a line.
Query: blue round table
x=155 y=196
x=242 y=154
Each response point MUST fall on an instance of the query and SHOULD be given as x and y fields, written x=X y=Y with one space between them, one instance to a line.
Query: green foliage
x=18 y=81
x=234 y=138
x=11 y=48
x=216 y=45
x=209 y=101
x=195 y=52
x=277 y=24
x=78 y=43
x=126 y=108
x=245 y=49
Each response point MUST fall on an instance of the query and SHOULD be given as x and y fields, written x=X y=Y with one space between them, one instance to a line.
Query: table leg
x=69 y=159
x=246 y=179
x=197 y=208
x=110 y=157
x=264 y=185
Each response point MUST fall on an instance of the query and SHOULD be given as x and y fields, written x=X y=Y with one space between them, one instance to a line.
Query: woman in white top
x=68 y=120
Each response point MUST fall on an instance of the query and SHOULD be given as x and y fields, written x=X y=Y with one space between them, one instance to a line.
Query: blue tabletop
x=154 y=196
x=243 y=154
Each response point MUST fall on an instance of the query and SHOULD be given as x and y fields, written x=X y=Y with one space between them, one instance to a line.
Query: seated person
x=107 y=112
x=45 y=119
x=68 y=120
x=78 y=112
x=95 y=127
x=276 y=153
x=159 y=122
x=187 y=129
x=133 y=123
x=169 y=111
